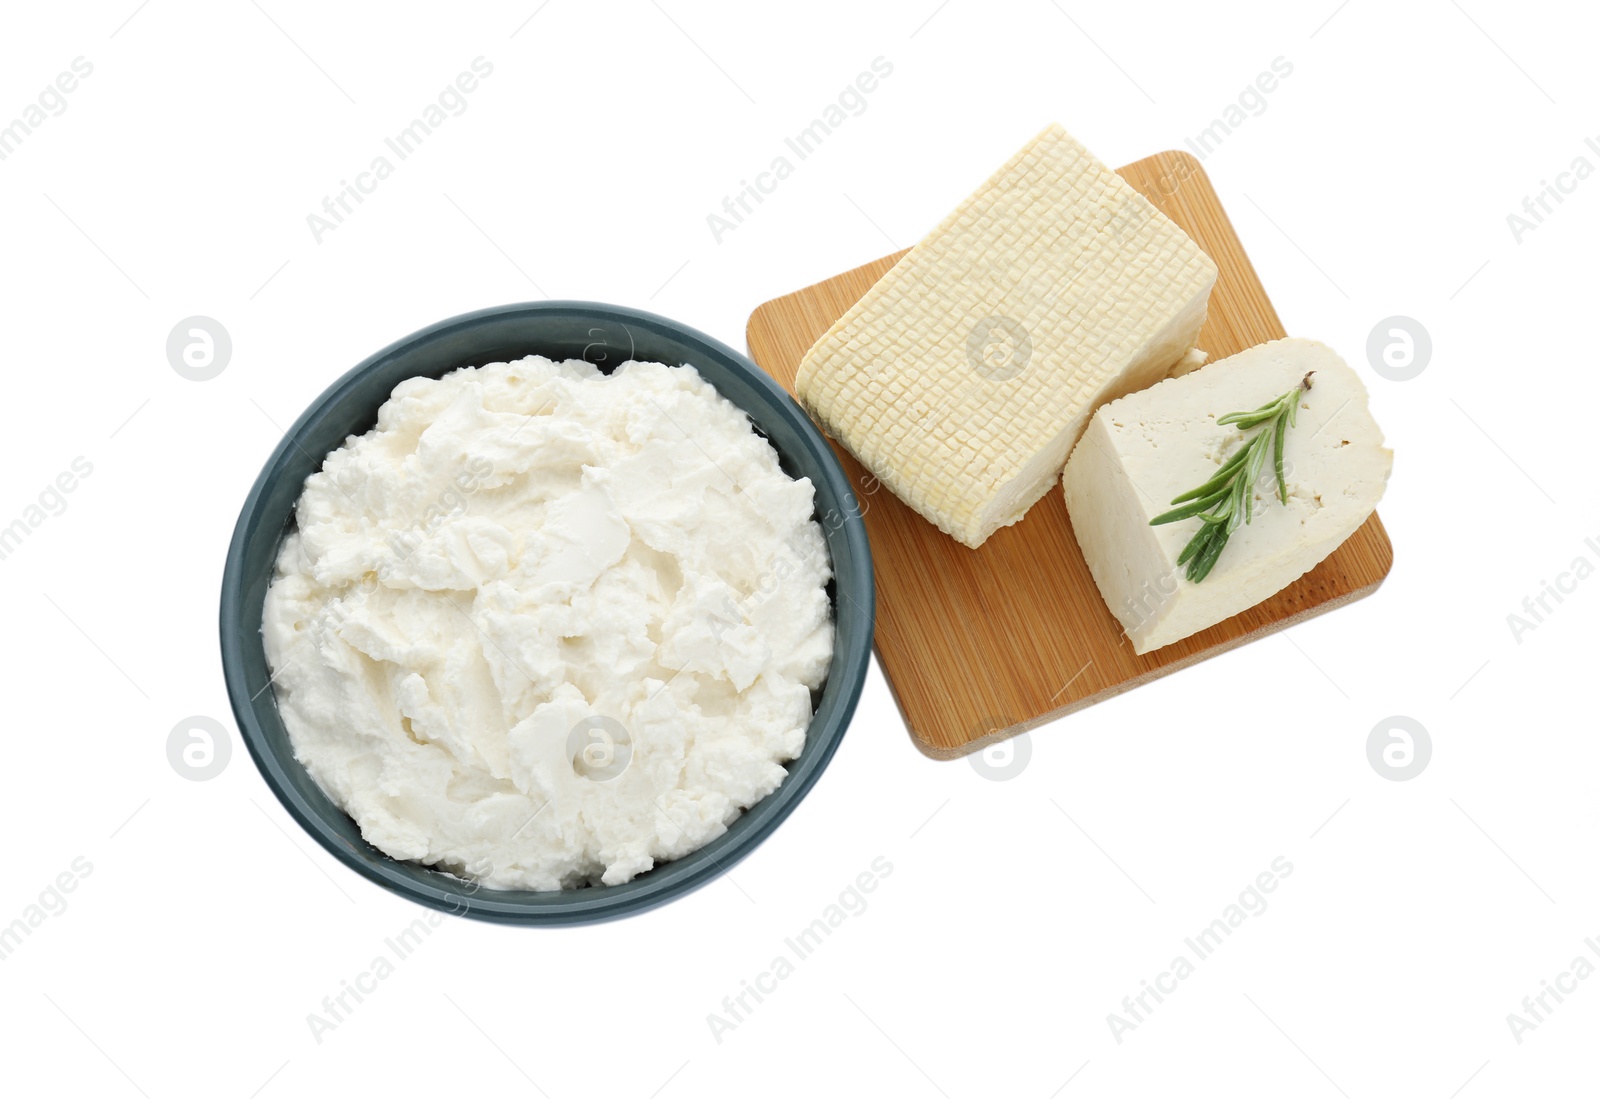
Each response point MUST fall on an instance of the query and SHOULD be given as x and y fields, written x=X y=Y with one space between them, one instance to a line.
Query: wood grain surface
x=983 y=644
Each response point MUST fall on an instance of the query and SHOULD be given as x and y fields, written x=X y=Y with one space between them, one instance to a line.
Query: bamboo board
x=979 y=645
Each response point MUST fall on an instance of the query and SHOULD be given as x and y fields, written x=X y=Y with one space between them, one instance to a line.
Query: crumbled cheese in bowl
x=545 y=627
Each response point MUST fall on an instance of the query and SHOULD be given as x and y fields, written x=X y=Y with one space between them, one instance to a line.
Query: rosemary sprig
x=1228 y=498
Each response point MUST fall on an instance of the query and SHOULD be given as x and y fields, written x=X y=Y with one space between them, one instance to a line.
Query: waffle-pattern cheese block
x=963 y=377
x=1141 y=451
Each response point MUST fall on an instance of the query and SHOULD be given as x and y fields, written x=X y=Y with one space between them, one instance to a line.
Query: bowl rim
x=589 y=905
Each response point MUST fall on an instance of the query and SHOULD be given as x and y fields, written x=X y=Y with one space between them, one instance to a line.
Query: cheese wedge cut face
x=963 y=377
x=1141 y=451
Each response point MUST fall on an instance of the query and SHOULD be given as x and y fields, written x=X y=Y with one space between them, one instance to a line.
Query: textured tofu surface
x=963 y=377
x=1141 y=451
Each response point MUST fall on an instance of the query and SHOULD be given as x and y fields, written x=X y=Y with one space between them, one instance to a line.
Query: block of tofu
x=1141 y=451
x=963 y=377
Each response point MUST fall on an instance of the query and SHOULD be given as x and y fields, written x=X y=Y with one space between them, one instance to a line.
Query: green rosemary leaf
x=1234 y=417
x=1197 y=543
x=1219 y=479
x=1236 y=505
x=1224 y=510
x=1277 y=460
x=1258 y=458
x=1205 y=503
x=1247 y=420
x=1227 y=499
x=1200 y=567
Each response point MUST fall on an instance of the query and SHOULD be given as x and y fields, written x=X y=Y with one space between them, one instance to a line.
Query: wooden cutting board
x=979 y=645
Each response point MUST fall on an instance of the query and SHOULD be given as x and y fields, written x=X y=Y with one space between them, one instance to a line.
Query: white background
x=1019 y=913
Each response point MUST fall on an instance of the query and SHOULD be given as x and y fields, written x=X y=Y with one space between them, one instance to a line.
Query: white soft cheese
x=545 y=627
x=1141 y=451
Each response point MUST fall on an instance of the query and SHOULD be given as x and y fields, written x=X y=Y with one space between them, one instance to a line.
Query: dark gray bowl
x=607 y=336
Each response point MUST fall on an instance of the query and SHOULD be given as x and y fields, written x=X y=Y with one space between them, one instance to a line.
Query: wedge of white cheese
x=1141 y=451
x=964 y=375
